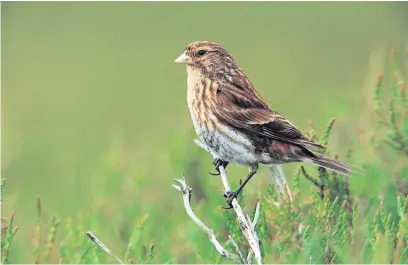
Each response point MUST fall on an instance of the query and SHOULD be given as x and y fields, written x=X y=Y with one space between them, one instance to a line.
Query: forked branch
x=247 y=227
x=186 y=191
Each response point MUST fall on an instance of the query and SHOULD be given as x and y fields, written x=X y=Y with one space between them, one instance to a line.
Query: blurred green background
x=94 y=112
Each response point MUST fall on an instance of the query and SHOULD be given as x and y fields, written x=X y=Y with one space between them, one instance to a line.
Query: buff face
x=207 y=56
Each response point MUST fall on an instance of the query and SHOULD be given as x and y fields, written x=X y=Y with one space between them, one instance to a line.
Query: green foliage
x=8 y=231
x=7 y=239
x=327 y=132
x=51 y=237
x=130 y=255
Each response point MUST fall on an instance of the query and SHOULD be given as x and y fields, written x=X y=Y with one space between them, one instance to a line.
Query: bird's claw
x=217 y=163
x=214 y=174
x=230 y=196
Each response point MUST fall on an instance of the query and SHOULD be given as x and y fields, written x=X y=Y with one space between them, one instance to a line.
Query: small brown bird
x=235 y=123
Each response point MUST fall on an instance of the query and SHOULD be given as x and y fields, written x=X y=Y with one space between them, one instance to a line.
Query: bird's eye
x=201 y=52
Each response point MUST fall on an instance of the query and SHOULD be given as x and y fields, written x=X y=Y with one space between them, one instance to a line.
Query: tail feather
x=329 y=163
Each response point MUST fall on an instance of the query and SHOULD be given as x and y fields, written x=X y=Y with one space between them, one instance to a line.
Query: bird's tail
x=329 y=163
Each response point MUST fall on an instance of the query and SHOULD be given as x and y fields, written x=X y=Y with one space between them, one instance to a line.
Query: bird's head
x=210 y=57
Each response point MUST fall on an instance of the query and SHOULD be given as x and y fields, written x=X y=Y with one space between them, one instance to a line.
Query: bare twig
x=253 y=226
x=280 y=180
x=256 y=215
x=186 y=191
x=103 y=247
x=244 y=223
x=234 y=244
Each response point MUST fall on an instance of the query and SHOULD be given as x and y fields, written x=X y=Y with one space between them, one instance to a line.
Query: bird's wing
x=241 y=107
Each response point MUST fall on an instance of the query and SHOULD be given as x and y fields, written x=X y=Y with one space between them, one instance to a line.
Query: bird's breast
x=201 y=105
x=224 y=141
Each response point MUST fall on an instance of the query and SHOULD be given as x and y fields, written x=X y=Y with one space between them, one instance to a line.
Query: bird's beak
x=184 y=59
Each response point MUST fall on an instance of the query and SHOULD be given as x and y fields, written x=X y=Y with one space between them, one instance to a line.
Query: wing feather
x=241 y=107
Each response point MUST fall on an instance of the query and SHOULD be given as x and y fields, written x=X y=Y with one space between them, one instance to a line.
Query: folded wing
x=240 y=106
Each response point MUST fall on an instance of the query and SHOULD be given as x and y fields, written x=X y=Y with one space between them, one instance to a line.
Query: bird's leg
x=230 y=195
x=217 y=163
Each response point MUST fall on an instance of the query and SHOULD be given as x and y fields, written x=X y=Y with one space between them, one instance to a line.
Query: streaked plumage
x=232 y=119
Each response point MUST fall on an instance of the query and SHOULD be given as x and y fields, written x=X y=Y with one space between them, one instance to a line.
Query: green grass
x=329 y=221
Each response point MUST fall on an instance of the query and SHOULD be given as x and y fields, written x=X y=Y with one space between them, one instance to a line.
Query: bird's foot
x=217 y=163
x=230 y=196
